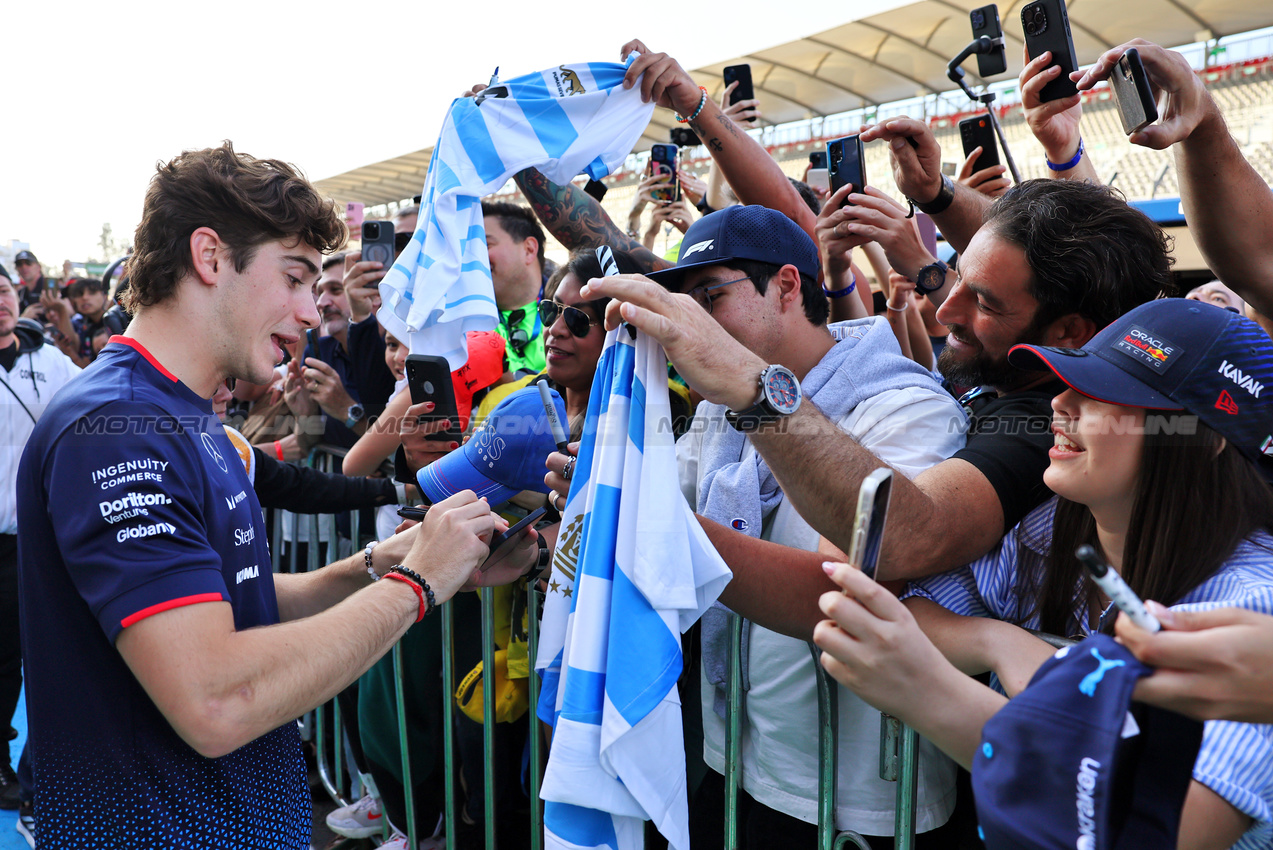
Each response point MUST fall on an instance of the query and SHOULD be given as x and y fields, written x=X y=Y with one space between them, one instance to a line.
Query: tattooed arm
x=748 y=168
x=578 y=221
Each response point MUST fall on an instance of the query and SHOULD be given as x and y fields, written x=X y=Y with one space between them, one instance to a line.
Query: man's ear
x=206 y=254
x=788 y=282
x=531 y=246
x=1069 y=331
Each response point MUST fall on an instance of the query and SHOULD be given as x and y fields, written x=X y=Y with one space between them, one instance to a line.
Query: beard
x=984 y=370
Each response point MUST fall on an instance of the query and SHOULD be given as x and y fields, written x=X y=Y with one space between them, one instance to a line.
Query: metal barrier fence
x=898 y=757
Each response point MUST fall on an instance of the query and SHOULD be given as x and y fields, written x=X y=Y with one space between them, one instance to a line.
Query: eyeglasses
x=699 y=293
x=577 y=321
x=231 y=383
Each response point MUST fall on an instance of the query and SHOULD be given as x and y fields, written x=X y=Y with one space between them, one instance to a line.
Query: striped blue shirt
x=1236 y=759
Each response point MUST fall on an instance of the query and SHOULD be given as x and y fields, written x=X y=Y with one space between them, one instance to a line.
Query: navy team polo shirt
x=132 y=501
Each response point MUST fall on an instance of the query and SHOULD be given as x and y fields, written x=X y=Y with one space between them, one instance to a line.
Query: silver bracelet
x=366 y=556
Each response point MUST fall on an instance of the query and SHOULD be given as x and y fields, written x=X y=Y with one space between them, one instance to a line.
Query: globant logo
x=145 y=531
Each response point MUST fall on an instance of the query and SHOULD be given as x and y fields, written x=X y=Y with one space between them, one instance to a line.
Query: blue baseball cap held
x=1070 y=763
x=1175 y=354
x=742 y=233
x=504 y=456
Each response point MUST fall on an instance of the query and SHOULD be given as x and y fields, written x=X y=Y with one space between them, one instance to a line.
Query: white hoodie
x=38 y=373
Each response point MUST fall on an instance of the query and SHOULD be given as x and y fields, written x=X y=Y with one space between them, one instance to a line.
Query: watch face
x=782 y=390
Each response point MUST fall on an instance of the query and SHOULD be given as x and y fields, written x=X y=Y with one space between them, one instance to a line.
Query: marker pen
x=559 y=433
x=1116 y=589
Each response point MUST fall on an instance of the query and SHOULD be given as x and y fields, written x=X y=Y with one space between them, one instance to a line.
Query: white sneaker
x=357 y=820
x=399 y=842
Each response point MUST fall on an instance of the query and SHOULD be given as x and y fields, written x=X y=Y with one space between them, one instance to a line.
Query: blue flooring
x=9 y=838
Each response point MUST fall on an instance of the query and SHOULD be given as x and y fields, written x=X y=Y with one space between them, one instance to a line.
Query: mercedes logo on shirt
x=215 y=452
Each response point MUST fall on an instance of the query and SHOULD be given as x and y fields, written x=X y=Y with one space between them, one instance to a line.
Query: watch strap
x=941 y=269
x=945 y=197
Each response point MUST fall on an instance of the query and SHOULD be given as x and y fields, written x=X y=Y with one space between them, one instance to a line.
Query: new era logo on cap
x=1226 y=403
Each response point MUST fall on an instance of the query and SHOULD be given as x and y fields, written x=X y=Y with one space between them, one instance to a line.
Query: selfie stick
x=559 y=433
x=983 y=44
x=1117 y=590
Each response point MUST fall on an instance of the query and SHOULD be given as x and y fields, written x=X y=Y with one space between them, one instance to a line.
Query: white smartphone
x=819 y=178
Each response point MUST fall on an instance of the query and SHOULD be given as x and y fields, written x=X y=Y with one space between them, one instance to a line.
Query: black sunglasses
x=577 y=321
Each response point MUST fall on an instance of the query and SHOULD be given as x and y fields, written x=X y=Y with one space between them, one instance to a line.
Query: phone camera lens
x=978 y=20
x=1037 y=21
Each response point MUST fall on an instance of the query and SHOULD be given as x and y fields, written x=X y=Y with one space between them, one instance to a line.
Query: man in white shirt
x=755 y=271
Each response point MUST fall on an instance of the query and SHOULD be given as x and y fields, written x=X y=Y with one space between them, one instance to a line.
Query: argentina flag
x=631 y=572
x=565 y=121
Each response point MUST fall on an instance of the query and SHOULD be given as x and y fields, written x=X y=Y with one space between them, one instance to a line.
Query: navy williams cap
x=742 y=233
x=1175 y=354
x=504 y=456
x=1069 y=763
x=24 y=256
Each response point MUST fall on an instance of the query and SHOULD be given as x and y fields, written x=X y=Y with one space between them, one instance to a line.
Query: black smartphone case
x=429 y=379
x=976 y=130
x=985 y=21
x=1051 y=32
x=1130 y=86
x=741 y=73
x=845 y=163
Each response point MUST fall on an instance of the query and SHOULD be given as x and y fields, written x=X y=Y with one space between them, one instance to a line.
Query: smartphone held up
x=664 y=159
x=846 y=163
x=868 y=524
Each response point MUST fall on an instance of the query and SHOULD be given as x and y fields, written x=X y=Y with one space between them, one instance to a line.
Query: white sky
x=99 y=92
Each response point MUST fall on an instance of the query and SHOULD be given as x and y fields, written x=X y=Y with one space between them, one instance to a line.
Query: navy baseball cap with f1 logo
x=1175 y=354
x=742 y=233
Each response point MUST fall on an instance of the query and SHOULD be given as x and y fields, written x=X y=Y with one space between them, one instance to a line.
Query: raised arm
x=577 y=221
x=916 y=159
x=1054 y=123
x=949 y=515
x=1228 y=205
x=748 y=168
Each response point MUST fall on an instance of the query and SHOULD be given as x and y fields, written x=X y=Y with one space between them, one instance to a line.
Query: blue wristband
x=1068 y=165
x=840 y=293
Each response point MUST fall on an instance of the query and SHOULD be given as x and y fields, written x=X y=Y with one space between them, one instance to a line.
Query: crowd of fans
x=997 y=378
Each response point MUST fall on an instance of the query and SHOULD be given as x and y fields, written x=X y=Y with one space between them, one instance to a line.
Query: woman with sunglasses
x=573 y=338
x=1162 y=464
